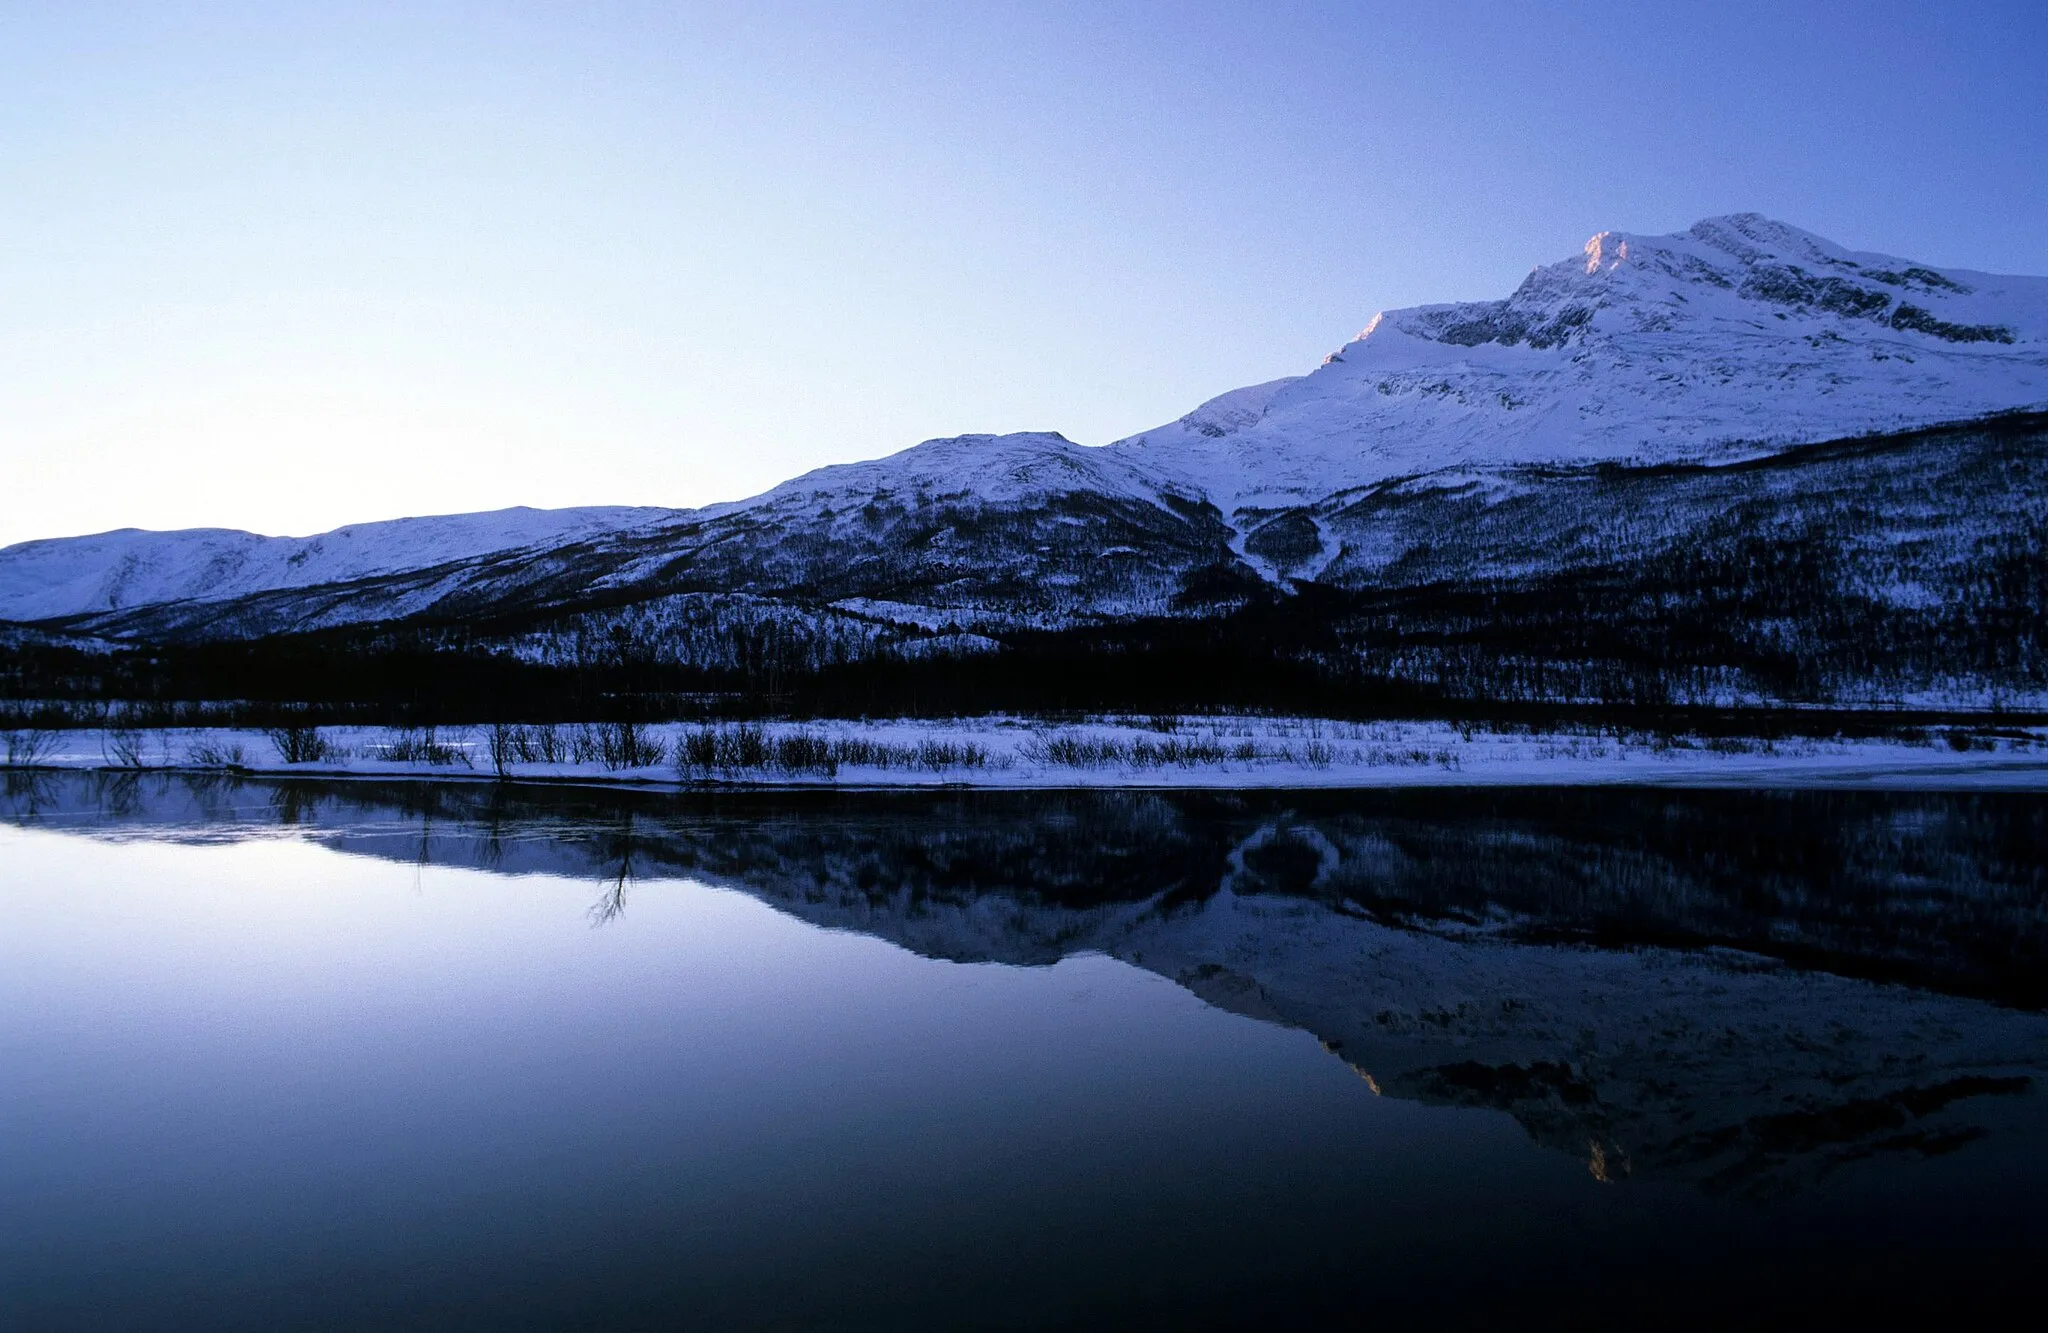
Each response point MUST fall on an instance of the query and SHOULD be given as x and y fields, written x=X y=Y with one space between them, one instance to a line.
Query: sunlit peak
x=1606 y=250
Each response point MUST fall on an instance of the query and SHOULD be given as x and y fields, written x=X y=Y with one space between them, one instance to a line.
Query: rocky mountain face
x=1742 y=434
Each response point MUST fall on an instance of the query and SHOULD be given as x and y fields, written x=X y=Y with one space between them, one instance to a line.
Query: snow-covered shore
x=1001 y=752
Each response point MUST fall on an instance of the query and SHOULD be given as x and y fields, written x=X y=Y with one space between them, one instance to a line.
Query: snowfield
x=1001 y=752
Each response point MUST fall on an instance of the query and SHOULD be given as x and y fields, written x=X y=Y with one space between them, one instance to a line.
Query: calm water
x=282 y=1056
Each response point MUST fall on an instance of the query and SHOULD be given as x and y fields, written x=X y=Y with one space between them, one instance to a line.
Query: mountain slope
x=1612 y=479
x=1025 y=529
x=112 y=571
x=1739 y=335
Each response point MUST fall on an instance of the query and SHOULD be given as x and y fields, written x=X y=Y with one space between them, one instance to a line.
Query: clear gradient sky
x=285 y=266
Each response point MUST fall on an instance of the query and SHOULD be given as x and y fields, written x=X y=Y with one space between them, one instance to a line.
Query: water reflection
x=1746 y=992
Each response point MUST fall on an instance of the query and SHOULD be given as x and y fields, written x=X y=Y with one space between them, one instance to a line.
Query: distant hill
x=1738 y=463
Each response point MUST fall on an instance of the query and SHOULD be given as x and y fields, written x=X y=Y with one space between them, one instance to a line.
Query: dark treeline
x=1833 y=577
x=1581 y=647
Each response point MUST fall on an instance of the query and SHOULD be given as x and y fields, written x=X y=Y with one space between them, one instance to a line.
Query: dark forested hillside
x=1865 y=572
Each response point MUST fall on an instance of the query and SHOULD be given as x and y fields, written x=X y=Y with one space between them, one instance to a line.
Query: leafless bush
x=1075 y=750
x=543 y=744
x=419 y=745
x=550 y=744
x=726 y=750
x=28 y=746
x=751 y=749
x=504 y=746
x=618 y=745
x=215 y=754
x=803 y=752
x=862 y=752
x=302 y=745
x=1072 y=750
x=122 y=746
x=937 y=756
x=743 y=747
x=1175 y=752
x=697 y=751
x=933 y=756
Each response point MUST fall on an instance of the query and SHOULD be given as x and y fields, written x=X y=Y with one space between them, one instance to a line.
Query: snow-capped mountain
x=1737 y=336
x=114 y=571
x=1728 y=414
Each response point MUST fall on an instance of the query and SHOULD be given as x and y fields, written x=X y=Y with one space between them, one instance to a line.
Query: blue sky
x=288 y=266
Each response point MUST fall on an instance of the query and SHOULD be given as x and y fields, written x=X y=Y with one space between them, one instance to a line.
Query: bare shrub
x=122 y=746
x=742 y=748
x=937 y=756
x=302 y=745
x=503 y=741
x=933 y=756
x=1176 y=752
x=705 y=750
x=736 y=749
x=543 y=744
x=1389 y=758
x=618 y=745
x=861 y=752
x=697 y=751
x=1318 y=754
x=509 y=744
x=215 y=754
x=1072 y=750
x=28 y=746
x=420 y=745
x=803 y=752
x=638 y=748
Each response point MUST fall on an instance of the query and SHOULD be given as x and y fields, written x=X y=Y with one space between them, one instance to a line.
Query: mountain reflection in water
x=1744 y=991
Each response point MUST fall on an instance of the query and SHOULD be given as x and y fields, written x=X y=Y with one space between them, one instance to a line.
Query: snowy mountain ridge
x=1739 y=335
x=996 y=469
x=108 y=571
x=1735 y=338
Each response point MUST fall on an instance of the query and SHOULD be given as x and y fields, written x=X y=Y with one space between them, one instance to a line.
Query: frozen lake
x=283 y=1055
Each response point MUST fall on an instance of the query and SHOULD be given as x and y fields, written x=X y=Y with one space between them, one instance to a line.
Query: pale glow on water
x=270 y=1060
x=261 y=1083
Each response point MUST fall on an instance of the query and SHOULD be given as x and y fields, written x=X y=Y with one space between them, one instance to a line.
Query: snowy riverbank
x=1192 y=752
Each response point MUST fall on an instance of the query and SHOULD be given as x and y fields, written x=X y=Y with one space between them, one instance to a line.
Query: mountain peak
x=1605 y=250
x=1741 y=333
x=1736 y=337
